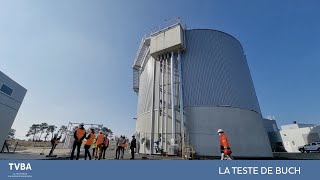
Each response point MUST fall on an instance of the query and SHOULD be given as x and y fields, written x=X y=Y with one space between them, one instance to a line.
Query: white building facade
x=11 y=97
x=295 y=135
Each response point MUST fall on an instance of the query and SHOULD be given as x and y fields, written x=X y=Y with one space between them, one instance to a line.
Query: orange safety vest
x=224 y=141
x=90 y=140
x=123 y=145
x=100 y=139
x=107 y=142
x=225 y=144
x=80 y=133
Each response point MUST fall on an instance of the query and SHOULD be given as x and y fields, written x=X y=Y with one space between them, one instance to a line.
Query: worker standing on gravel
x=224 y=146
x=118 y=147
x=133 y=146
x=94 y=149
x=123 y=146
x=99 y=142
x=105 y=146
x=78 y=135
x=88 y=144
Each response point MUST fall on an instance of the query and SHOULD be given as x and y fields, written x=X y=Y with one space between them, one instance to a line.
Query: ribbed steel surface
x=215 y=72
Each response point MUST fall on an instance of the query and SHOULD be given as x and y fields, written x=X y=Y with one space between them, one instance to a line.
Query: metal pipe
x=69 y=135
x=152 y=111
x=159 y=95
x=181 y=99
x=167 y=101
x=66 y=136
x=172 y=99
x=145 y=142
x=162 y=104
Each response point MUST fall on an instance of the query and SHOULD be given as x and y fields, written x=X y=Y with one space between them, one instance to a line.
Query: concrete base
x=244 y=129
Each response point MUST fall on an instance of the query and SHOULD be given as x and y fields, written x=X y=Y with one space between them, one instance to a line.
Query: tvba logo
x=20 y=166
x=20 y=170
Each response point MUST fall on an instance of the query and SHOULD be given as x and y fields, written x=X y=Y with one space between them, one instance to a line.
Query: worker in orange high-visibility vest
x=105 y=146
x=78 y=135
x=100 y=142
x=88 y=143
x=123 y=146
x=224 y=146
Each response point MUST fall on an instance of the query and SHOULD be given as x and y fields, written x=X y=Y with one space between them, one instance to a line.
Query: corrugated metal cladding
x=145 y=87
x=215 y=72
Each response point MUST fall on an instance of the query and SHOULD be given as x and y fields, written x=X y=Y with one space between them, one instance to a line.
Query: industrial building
x=11 y=97
x=295 y=135
x=191 y=82
x=273 y=132
x=289 y=137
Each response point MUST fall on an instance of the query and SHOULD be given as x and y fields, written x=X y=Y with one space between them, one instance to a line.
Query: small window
x=313 y=144
x=6 y=89
x=293 y=143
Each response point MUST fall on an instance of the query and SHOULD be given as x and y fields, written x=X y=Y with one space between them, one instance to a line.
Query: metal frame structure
x=69 y=133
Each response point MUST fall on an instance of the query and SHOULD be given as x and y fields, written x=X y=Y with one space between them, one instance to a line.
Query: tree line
x=47 y=132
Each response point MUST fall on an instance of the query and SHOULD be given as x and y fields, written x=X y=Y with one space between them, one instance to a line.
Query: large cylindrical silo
x=217 y=91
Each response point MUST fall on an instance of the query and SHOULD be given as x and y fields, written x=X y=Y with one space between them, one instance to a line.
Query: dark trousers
x=132 y=153
x=52 y=149
x=118 y=152
x=122 y=152
x=93 y=152
x=87 y=152
x=104 y=149
x=77 y=145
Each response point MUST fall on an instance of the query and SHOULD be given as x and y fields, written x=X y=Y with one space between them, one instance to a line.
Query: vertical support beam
x=145 y=143
x=66 y=137
x=181 y=99
x=159 y=96
x=152 y=109
x=162 y=98
x=173 y=99
x=69 y=135
x=167 y=101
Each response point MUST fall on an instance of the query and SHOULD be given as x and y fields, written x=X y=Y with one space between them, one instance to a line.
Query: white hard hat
x=220 y=130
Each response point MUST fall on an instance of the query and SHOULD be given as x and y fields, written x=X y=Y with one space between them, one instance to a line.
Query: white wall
x=293 y=138
x=9 y=105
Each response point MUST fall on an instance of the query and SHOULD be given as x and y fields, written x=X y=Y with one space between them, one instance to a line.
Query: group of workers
x=99 y=144
x=121 y=145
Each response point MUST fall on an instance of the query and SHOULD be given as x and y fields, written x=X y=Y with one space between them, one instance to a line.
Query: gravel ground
x=64 y=154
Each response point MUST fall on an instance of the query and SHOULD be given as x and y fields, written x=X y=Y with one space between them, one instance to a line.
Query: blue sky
x=75 y=57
